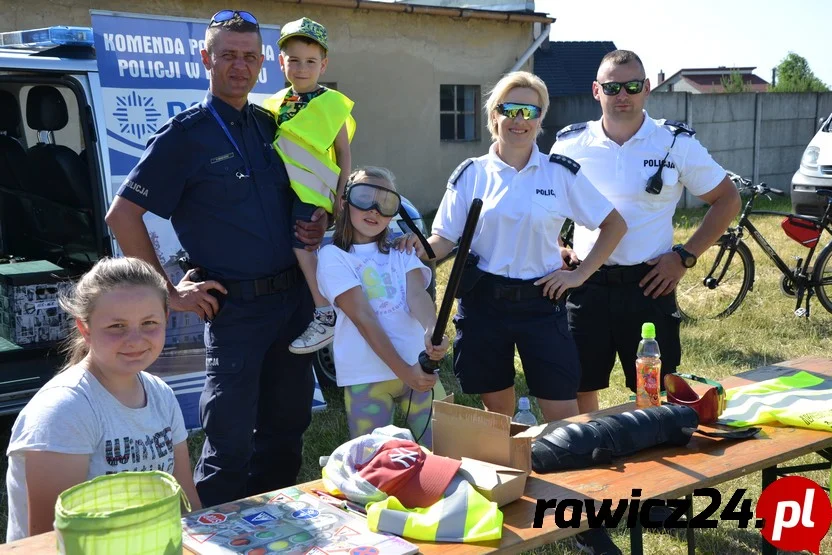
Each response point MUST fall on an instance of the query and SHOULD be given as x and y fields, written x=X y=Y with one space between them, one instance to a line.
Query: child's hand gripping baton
x=428 y=364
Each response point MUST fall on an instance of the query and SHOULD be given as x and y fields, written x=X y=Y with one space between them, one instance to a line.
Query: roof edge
x=463 y=13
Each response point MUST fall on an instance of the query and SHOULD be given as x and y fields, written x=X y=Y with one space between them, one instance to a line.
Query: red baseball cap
x=402 y=469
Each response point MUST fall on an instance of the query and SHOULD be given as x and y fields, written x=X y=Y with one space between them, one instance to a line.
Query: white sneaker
x=316 y=336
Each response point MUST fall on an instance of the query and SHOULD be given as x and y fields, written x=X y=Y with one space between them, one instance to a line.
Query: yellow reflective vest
x=802 y=400
x=463 y=515
x=305 y=144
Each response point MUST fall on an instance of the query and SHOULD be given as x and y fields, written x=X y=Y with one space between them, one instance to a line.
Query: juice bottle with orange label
x=648 y=368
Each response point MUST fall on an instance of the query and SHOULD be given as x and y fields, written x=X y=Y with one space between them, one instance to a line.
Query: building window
x=458 y=110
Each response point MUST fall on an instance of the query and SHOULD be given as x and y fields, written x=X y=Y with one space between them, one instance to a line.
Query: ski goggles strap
x=415 y=229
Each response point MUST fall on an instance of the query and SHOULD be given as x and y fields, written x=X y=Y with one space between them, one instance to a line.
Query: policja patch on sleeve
x=566 y=162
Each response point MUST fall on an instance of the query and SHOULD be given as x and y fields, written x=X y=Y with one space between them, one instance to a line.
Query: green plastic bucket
x=133 y=513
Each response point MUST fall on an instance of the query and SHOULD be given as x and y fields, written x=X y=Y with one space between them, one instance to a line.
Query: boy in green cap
x=314 y=130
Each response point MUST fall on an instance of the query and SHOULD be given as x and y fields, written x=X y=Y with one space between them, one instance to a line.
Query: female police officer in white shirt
x=517 y=300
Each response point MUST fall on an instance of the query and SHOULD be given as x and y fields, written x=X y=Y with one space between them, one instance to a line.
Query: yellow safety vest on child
x=305 y=144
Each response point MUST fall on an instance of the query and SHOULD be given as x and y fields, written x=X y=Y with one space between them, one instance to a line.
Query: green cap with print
x=304 y=27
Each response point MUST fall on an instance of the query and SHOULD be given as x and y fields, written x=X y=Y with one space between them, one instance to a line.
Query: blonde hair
x=344 y=237
x=509 y=82
x=107 y=274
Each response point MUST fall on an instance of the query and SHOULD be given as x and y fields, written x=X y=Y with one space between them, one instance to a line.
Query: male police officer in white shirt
x=640 y=165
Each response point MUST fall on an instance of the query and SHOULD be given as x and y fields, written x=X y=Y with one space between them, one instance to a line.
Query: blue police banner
x=150 y=69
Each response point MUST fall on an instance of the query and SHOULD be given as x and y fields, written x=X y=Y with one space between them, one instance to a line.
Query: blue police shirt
x=237 y=228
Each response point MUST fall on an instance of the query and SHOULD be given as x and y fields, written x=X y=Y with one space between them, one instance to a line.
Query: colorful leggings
x=370 y=406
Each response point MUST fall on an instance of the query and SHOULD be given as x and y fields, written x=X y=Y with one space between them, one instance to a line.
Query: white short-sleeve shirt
x=620 y=173
x=383 y=279
x=74 y=414
x=522 y=212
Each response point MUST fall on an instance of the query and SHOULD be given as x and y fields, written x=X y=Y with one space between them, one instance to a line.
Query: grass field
x=763 y=331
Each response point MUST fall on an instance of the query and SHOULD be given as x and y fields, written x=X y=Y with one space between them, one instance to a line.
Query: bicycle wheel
x=699 y=301
x=822 y=274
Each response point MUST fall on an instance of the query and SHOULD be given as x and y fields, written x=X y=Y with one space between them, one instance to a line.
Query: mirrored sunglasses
x=366 y=196
x=226 y=15
x=511 y=110
x=612 y=88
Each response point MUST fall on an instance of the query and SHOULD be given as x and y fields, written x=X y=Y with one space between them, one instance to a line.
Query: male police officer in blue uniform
x=212 y=171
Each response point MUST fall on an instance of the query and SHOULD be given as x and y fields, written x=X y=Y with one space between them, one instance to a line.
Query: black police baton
x=428 y=364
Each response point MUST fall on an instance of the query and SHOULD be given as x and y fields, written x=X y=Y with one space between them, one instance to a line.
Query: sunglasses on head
x=366 y=196
x=512 y=109
x=612 y=88
x=227 y=15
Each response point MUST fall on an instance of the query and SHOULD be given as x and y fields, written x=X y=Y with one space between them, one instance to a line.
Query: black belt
x=508 y=289
x=619 y=275
x=264 y=286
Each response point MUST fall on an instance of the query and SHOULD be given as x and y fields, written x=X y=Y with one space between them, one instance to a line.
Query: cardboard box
x=29 y=311
x=462 y=432
x=499 y=484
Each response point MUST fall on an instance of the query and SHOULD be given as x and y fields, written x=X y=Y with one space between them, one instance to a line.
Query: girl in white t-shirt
x=101 y=414
x=385 y=316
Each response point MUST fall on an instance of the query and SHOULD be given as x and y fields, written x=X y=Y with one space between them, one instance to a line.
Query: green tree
x=795 y=75
x=734 y=83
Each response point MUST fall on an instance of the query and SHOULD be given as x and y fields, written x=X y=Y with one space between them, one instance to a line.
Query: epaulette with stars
x=459 y=170
x=575 y=127
x=188 y=117
x=566 y=162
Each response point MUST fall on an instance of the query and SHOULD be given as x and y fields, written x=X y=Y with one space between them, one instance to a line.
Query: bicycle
x=724 y=274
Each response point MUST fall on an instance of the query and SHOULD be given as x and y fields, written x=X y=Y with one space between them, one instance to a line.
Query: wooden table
x=661 y=473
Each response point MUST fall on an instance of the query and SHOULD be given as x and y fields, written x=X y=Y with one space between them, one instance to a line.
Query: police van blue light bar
x=48 y=37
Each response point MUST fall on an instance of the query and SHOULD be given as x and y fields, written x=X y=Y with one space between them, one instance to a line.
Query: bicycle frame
x=800 y=274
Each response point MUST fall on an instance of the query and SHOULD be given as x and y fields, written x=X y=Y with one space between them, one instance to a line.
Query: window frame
x=457 y=89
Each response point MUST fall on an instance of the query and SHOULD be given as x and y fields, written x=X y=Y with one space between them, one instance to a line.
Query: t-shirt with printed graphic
x=295 y=102
x=74 y=414
x=383 y=278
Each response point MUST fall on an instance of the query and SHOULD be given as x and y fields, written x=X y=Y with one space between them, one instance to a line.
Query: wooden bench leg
x=689 y=531
x=769 y=476
x=637 y=539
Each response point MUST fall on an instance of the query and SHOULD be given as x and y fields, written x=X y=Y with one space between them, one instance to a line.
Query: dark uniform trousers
x=605 y=317
x=257 y=399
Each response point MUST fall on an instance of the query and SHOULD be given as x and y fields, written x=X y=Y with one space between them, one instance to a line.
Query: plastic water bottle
x=524 y=415
x=648 y=368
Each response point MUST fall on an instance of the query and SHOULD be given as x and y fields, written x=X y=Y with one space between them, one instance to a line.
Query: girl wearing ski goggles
x=385 y=315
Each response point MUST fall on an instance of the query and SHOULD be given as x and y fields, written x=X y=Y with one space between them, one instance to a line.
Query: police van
x=76 y=108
